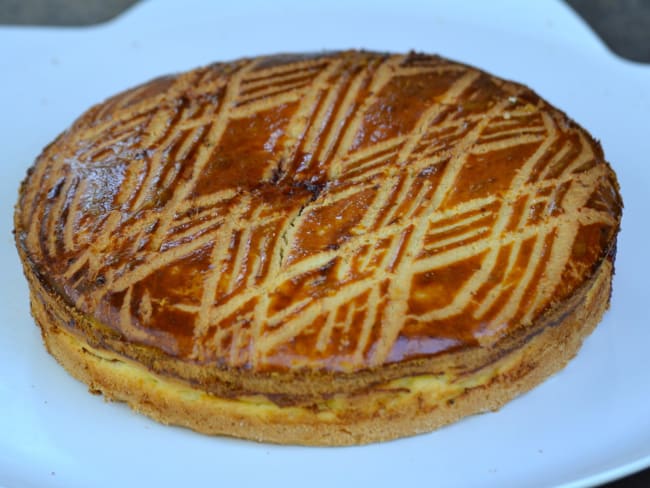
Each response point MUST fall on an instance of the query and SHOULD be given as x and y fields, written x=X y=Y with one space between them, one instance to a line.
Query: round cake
x=332 y=248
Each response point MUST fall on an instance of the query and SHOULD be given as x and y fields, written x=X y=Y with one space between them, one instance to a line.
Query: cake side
x=406 y=406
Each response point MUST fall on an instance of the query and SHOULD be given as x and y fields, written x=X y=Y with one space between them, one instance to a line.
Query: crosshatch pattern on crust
x=332 y=211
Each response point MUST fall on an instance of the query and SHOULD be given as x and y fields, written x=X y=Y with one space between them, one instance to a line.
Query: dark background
x=624 y=25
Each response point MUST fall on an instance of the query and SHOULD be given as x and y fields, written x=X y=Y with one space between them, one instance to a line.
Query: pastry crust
x=334 y=248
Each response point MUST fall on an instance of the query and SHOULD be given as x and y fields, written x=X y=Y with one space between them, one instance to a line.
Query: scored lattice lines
x=480 y=203
x=359 y=167
x=220 y=252
x=280 y=85
x=312 y=262
x=138 y=229
x=399 y=286
x=471 y=139
x=587 y=216
x=68 y=185
x=330 y=136
x=142 y=175
x=565 y=230
x=407 y=149
x=306 y=119
x=468 y=290
x=293 y=320
x=219 y=230
x=381 y=75
x=333 y=144
x=204 y=153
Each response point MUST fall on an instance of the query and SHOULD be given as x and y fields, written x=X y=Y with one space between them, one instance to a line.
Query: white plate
x=587 y=424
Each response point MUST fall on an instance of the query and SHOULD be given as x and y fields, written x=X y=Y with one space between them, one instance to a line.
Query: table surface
x=624 y=26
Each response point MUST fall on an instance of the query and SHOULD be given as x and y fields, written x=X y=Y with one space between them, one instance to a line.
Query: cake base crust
x=422 y=404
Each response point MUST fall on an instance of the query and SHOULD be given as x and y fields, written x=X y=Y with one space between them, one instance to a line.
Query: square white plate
x=585 y=425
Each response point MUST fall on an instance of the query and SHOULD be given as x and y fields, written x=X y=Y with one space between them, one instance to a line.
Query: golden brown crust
x=304 y=227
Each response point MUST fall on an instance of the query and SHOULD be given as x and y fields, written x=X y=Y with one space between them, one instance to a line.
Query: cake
x=322 y=249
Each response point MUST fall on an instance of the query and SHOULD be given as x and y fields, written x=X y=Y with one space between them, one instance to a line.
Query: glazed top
x=331 y=212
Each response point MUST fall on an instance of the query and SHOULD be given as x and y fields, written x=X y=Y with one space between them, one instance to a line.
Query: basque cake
x=328 y=249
